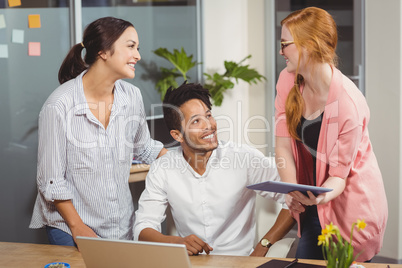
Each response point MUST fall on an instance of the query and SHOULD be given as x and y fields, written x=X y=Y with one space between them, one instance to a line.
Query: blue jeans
x=59 y=237
x=311 y=229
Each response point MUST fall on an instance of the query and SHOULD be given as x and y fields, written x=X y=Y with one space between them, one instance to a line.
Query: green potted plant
x=337 y=251
x=216 y=83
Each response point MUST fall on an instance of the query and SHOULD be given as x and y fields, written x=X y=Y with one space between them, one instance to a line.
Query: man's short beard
x=197 y=148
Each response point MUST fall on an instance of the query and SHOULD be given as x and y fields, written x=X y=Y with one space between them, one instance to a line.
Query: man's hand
x=293 y=204
x=284 y=222
x=259 y=251
x=194 y=245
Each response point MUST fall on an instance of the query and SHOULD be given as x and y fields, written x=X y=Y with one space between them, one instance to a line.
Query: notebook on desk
x=107 y=253
x=288 y=264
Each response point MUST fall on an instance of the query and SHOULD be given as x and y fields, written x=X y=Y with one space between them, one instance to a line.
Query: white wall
x=383 y=93
x=259 y=112
x=233 y=29
x=261 y=28
x=225 y=38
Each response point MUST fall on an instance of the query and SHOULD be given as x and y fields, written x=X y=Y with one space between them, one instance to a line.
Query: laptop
x=108 y=253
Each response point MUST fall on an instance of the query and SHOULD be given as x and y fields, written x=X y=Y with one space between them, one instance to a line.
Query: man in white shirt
x=204 y=182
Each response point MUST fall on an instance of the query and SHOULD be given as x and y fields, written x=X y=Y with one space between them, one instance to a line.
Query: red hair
x=315 y=30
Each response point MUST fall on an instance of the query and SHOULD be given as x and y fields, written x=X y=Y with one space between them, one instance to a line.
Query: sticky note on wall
x=34 y=21
x=3 y=51
x=14 y=3
x=2 y=21
x=17 y=36
x=34 y=48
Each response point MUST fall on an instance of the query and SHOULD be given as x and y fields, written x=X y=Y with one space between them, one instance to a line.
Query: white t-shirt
x=215 y=206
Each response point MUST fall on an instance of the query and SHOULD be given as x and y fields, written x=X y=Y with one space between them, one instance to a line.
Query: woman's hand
x=309 y=200
x=82 y=230
x=73 y=220
x=293 y=204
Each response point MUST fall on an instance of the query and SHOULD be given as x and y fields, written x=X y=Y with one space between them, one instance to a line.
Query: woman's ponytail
x=72 y=65
x=294 y=108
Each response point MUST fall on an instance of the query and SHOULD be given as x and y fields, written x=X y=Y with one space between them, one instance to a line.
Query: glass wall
x=171 y=26
x=29 y=62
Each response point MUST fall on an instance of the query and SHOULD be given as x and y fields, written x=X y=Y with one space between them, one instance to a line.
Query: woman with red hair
x=322 y=139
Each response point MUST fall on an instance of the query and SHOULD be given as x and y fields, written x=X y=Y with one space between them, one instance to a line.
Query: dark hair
x=99 y=36
x=174 y=98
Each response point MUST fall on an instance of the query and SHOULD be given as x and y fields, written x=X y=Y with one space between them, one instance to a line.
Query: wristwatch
x=265 y=243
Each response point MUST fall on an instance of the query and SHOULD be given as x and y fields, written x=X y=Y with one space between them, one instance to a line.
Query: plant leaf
x=168 y=79
x=243 y=72
x=180 y=60
x=217 y=85
x=247 y=74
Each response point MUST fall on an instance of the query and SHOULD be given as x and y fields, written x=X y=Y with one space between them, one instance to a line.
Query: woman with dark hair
x=89 y=129
x=322 y=139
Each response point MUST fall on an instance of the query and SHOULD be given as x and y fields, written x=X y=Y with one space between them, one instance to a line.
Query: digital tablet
x=285 y=187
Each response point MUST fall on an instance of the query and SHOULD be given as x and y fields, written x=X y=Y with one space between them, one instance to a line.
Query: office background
x=214 y=31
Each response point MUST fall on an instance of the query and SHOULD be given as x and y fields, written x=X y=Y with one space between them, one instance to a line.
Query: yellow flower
x=322 y=240
x=326 y=234
x=329 y=229
x=335 y=248
x=361 y=224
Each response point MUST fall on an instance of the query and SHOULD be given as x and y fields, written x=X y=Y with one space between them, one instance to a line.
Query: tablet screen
x=285 y=187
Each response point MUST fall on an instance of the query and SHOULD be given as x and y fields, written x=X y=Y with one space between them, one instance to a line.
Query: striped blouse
x=81 y=161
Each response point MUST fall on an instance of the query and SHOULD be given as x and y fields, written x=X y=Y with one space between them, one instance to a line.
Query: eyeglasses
x=285 y=44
